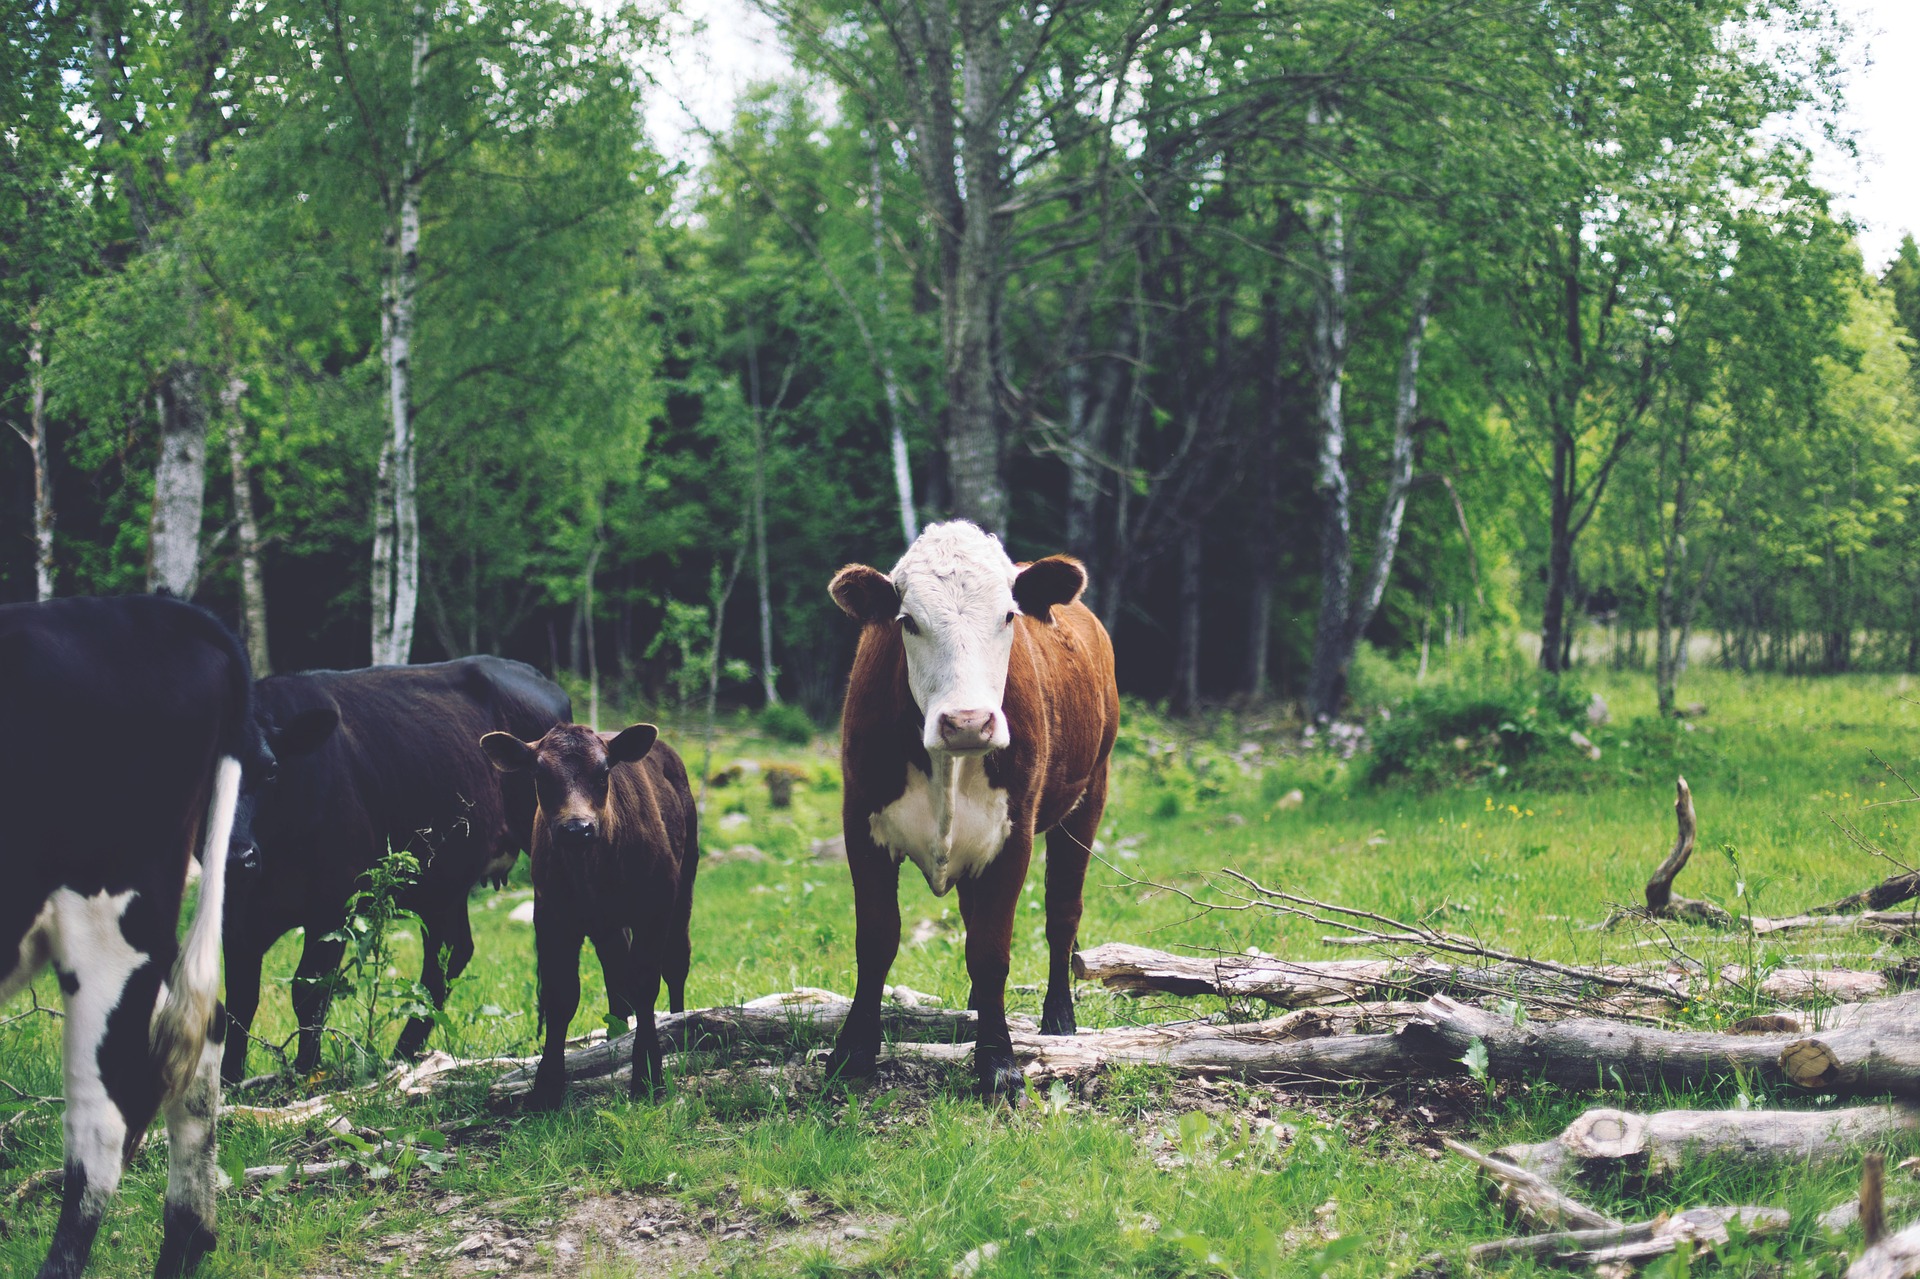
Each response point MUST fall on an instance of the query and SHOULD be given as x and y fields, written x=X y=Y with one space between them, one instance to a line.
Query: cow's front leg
x=1069 y=847
x=243 y=1000
x=313 y=982
x=190 y=1163
x=557 y=935
x=876 y=941
x=988 y=904
x=643 y=982
x=447 y=937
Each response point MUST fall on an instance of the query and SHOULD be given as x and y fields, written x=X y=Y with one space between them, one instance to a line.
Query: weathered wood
x=1658 y=1144
x=776 y=1019
x=1584 y=1052
x=1532 y=1196
x=1890 y=891
x=1659 y=891
x=1300 y=983
x=1879 y=1052
x=1895 y=1257
x=1635 y=1241
x=1694 y=1226
x=1873 y=1197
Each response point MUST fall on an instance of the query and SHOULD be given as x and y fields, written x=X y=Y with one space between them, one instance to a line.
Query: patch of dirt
x=646 y=1234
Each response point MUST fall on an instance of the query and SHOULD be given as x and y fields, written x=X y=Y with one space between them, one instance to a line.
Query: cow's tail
x=185 y=1016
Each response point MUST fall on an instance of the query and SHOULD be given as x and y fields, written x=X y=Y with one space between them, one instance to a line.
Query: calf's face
x=955 y=596
x=571 y=767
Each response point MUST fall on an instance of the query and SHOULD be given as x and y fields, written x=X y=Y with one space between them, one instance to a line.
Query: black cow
x=402 y=769
x=126 y=737
x=616 y=845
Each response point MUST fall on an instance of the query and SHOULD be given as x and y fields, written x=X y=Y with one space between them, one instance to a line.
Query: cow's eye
x=1010 y=615
x=906 y=620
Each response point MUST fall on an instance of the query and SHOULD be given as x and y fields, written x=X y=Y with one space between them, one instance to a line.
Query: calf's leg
x=557 y=935
x=649 y=1071
x=988 y=904
x=190 y=1162
x=1069 y=847
x=876 y=940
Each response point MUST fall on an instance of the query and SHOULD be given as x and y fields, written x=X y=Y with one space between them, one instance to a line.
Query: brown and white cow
x=981 y=712
x=616 y=845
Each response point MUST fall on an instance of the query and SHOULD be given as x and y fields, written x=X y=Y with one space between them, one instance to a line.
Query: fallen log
x=1878 y=1053
x=1290 y=983
x=1661 y=903
x=1295 y=1048
x=1658 y=1144
x=1531 y=1196
x=1584 y=1052
x=1890 y=891
x=775 y=1019
x=1138 y=970
x=1895 y=1257
x=1635 y=1241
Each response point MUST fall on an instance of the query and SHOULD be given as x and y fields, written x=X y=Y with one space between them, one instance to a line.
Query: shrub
x=1467 y=731
x=787 y=723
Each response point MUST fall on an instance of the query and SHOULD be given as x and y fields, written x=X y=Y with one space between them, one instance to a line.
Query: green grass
x=1117 y=1181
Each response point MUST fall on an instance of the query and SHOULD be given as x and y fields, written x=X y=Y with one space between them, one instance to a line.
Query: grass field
x=754 y=1171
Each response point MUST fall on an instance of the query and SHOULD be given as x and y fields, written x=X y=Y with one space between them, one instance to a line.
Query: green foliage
x=787 y=723
x=1463 y=732
x=368 y=979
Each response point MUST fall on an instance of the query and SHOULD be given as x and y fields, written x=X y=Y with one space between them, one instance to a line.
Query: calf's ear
x=631 y=745
x=305 y=733
x=1058 y=579
x=865 y=594
x=508 y=753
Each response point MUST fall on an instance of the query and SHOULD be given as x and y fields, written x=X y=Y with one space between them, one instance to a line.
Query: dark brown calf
x=981 y=711
x=615 y=849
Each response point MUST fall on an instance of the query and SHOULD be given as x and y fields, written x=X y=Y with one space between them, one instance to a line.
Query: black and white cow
x=126 y=732
x=403 y=769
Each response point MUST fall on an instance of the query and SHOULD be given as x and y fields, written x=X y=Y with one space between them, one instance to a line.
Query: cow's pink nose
x=966 y=729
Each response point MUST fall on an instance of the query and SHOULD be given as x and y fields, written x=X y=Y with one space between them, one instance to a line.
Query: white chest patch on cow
x=950 y=825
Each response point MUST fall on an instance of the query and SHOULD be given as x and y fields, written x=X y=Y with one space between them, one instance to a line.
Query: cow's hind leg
x=447 y=937
x=1069 y=848
x=190 y=1161
x=109 y=984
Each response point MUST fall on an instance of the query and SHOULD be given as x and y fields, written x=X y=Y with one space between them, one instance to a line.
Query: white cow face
x=956 y=598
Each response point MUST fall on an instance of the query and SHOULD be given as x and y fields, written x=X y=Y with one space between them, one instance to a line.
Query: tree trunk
x=1263 y=528
x=36 y=441
x=1553 y=628
x=1185 y=698
x=593 y=650
x=396 y=551
x=1673 y=565
x=889 y=383
x=253 y=590
x=973 y=417
x=1406 y=401
x=1327 y=683
x=769 y=692
x=179 y=486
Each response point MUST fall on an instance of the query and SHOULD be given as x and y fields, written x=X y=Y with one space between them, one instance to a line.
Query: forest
x=1315 y=330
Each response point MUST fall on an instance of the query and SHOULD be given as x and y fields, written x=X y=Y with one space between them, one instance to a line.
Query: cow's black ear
x=1043 y=584
x=508 y=753
x=865 y=594
x=631 y=745
x=305 y=733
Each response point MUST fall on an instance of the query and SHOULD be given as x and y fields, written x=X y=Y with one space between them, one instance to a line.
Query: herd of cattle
x=980 y=712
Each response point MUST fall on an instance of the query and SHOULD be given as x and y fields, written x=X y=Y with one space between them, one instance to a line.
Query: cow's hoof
x=412 y=1041
x=546 y=1095
x=1056 y=1018
x=186 y=1243
x=1000 y=1078
x=852 y=1063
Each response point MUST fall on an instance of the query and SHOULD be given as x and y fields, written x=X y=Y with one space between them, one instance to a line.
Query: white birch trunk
x=593 y=651
x=889 y=383
x=1386 y=542
x=36 y=440
x=253 y=591
x=396 y=552
x=179 y=487
x=1327 y=683
x=767 y=688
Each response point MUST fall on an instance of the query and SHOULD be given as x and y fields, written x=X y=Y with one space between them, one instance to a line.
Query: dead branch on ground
x=1531 y=1196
